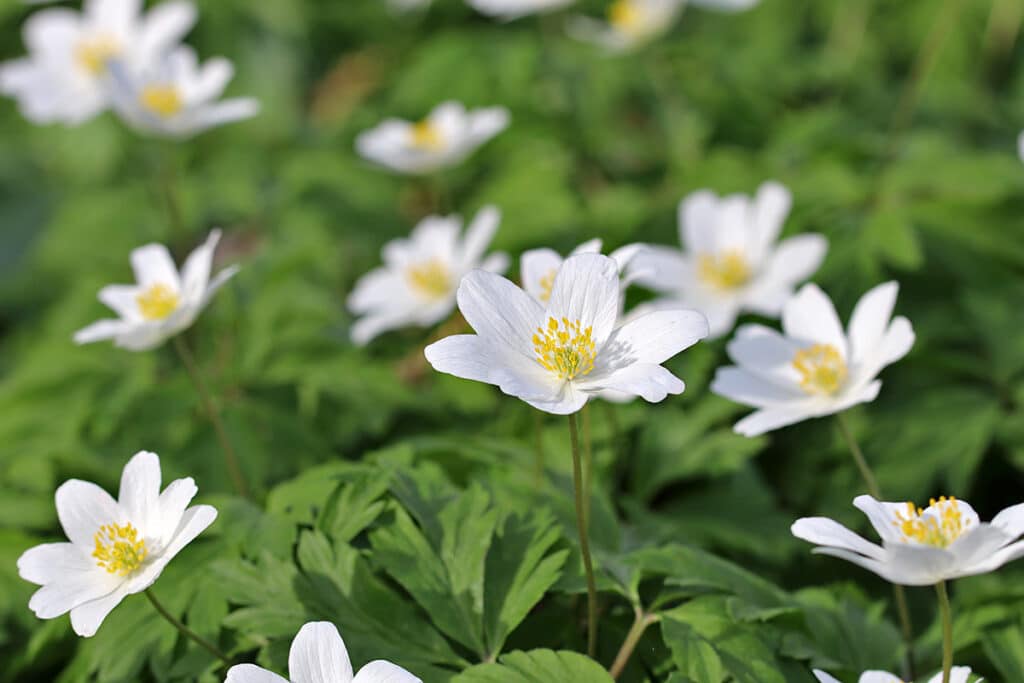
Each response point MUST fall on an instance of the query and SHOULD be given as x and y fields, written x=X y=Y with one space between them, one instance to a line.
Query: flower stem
x=230 y=458
x=168 y=188
x=538 y=445
x=588 y=461
x=947 y=630
x=185 y=630
x=858 y=457
x=636 y=631
x=581 y=523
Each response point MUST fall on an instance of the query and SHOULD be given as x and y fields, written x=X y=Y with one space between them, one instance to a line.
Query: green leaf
x=536 y=666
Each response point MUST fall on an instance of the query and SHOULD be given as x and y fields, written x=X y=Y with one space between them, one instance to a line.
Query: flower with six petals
x=958 y=674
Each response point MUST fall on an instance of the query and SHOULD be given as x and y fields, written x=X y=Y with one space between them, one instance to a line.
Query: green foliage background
x=405 y=506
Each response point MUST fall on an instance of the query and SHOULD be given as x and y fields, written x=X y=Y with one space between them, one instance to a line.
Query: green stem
x=538 y=431
x=636 y=631
x=581 y=523
x=230 y=458
x=858 y=457
x=588 y=462
x=168 y=188
x=185 y=630
x=947 y=630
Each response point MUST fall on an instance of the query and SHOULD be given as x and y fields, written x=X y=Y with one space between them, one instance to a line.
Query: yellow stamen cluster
x=822 y=369
x=162 y=100
x=425 y=135
x=157 y=302
x=92 y=55
x=727 y=270
x=546 y=284
x=939 y=530
x=431 y=279
x=625 y=15
x=565 y=349
x=119 y=549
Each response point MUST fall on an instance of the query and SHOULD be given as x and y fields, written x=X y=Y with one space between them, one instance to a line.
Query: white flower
x=162 y=303
x=921 y=547
x=730 y=261
x=814 y=369
x=118 y=547
x=630 y=23
x=319 y=655
x=176 y=97
x=538 y=267
x=556 y=357
x=446 y=137
x=958 y=674
x=417 y=283
x=507 y=10
x=64 y=78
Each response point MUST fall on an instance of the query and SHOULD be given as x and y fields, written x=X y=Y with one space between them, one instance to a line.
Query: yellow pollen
x=93 y=54
x=546 y=283
x=728 y=270
x=822 y=370
x=431 y=279
x=162 y=100
x=938 y=529
x=119 y=549
x=157 y=302
x=624 y=15
x=565 y=349
x=425 y=135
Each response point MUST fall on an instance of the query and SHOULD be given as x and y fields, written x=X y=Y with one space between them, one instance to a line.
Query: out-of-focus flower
x=556 y=357
x=445 y=138
x=538 y=267
x=117 y=547
x=417 y=283
x=176 y=97
x=163 y=302
x=958 y=674
x=814 y=369
x=318 y=655
x=919 y=547
x=731 y=259
x=507 y=10
x=629 y=24
x=65 y=77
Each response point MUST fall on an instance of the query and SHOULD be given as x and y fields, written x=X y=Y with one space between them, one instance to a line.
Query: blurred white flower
x=318 y=655
x=417 y=283
x=958 y=674
x=556 y=357
x=814 y=369
x=921 y=547
x=630 y=23
x=176 y=97
x=163 y=302
x=538 y=267
x=118 y=547
x=446 y=137
x=65 y=77
x=507 y=10
x=731 y=261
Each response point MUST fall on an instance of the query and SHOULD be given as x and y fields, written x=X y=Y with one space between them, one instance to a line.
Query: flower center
x=727 y=270
x=431 y=279
x=425 y=135
x=162 y=100
x=565 y=349
x=943 y=525
x=546 y=284
x=822 y=370
x=625 y=15
x=119 y=549
x=157 y=302
x=92 y=54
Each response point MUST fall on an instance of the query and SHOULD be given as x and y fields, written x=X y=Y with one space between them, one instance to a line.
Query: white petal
x=661 y=269
x=586 y=290
x=219 y=113
x=195 y=520
x=372 y=325
x=218 y=281
x=165 y=25
x=820 y=675
x=500 y=312
x=172 y=505
x=146 y=336
x=73 y=589
x=827 y=532
x=153 y=265
x=810 y=318
x=380 y=671
x=896 y=343
x=591 y=247
x=741 y=386
x=462 y=355
x=698 y=218
x=115 y=16
x=870 y=320
x=140 y=492
x=976 y=548
x=1009 y=553
x=87 y=617
x=878 y=677
x=650 y=381
x=122 y=299
x=764 y=352
x=195 y=273
x=882 y=515
x=1011 y=520
x=874 y=566
x=209 y=81
x=770 y=207
x=770 y=419
x=795 y=260
x=564 y=401
x=479 y=235
x=83 y=507
x=53 y=561
x=536 y=265
x=318 y=655
x=652 y=338
x=102 y=330
x=486 y=123
x=250 y=673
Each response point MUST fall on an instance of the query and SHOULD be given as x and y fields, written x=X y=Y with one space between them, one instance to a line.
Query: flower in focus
x=65 y=77
x=446 y=137
x=538 y=267
x=163 y=302
x=417 y=283
x=731 y=259
x=629 y=24
x=176 y=97
x=513 y=9
x=318 y=655
x=958 y=674
x=556 y=357
x=117 y=547
x=921 y=547
x=814 y=369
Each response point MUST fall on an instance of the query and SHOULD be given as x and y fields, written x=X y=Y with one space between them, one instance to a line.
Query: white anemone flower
x=814 y=369
x=417 y=283
x=65 y=77
x=629 y=24
x=445 y=138
x=117 y=547
x=958 y=674
x=557 y=357
x=163 y=302
x=177 y=97
x=318 y=655
x=507 y=10
x=921 y=547
x=538 y=267
x=731 y=259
